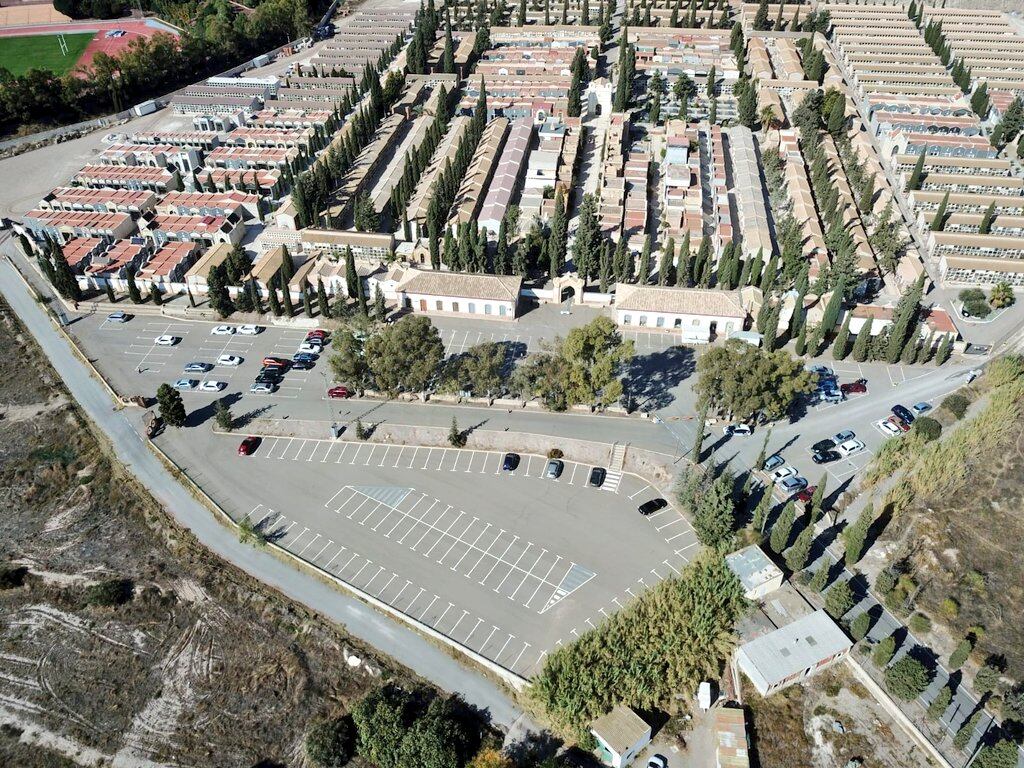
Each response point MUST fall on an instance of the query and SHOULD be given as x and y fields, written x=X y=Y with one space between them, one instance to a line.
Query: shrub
x=920 y=623
x=956 y=404
x=960 y=654
x=222 y=415
x=928 y=428
x=950 y=608
x=109 y=592
x=987 y=679
x=940 y=703
x=331 y=743
x=839 y=599
x=860 y=626
x=907 y=678
x=361 y=431
x=883 y=652
x=555 y=453
x=885 y=581
x=12 y=576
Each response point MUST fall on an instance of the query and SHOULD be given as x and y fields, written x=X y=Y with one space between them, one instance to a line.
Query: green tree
x=862 y=344
x=223 y=416
x=217 y=291
x=904 y=319
x=796 y=556
x=382 y=718
x=323 y=305
x=860 y=626
x=855 y=536
x=839 y=600
x=966 y=731
x=403 y=357
x=841 y=346
x=171 y=406
x=456 y=437
x=884 y=651
x=715 y=515
x=331 y=742
x=818 y=499
x=349 y=363
x=907 y=678
x=939 y=219
x=917 y=175
x=1001 y=295
x=1000 y=754
x=987 y=679
x=940 y=703
x=987 y=218
x=751 y=383
x=133 y=288
x=782 y=528
x=820 y=579
x=762 y=511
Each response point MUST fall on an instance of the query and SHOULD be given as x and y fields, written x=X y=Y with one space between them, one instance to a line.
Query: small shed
x=731 y=733
x=621 y=735
x=756 y=572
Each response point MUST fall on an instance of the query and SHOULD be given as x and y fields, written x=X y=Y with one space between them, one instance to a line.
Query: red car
x=899 y=423
x=806 y=494
x=278 y=362
x=860 y=387
x=339 y=392
x=249 y=446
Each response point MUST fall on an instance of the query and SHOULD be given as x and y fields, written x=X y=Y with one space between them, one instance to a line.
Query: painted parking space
x=403 y=594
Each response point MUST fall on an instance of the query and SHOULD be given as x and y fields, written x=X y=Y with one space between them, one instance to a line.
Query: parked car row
x=901 y=419
x=830 y=390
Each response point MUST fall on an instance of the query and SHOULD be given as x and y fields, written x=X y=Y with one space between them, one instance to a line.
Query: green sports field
x=20 y=54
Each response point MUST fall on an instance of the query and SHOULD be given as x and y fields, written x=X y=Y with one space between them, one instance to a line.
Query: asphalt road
x=404 y=645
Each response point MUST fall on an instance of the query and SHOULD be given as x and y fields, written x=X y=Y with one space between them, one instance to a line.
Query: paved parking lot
x=508 y=564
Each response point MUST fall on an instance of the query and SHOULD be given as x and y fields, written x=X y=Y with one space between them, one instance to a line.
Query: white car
x=310 y=349
x=262 y=388
x=888 y=428
x=212 y=386
x=250 y=330
x=185 y=384
x=231 y=360
x=222 y=330
x=850 y=447
x=737 y=429
x=166 y=340
x=782 y=473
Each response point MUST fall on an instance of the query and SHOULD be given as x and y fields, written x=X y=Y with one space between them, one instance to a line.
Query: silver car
x=553 y=469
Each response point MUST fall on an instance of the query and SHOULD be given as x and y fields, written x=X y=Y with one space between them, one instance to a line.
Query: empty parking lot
x=506 y=564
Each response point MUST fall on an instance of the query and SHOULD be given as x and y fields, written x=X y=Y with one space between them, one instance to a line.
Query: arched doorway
x=567 y=287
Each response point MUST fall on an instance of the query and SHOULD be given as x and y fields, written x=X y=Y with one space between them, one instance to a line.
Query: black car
x=652 y=506
x=823 y=445
x=903 y=414
x=511 y=462
x=268 y=377
x=303 y=365
x=825 y=457
x=597 y=476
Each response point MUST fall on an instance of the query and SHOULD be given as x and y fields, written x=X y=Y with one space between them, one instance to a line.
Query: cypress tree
x=321 y=299
x=904 y=319
x=286 y=294
x=939 y=220
x=644 y=270
x=862 y=344
x=684 y=263
x=944 y=350
x=986 y=220
x=855 y=536
x=796 y=557
x=801 y=340
x=351 y=278
x=782 y=528
x=841 y=346
x=665 y=265
x=275 y=305
x=917 y=174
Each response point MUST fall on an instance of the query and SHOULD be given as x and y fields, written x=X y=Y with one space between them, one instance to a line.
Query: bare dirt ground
x=826 y=724
x=199 y=667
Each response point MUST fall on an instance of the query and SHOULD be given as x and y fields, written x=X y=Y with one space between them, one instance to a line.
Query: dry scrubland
x=197 y=663
x=958 y=539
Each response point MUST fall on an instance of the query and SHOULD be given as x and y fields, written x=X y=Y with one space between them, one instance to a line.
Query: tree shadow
x=652 y=376
x=201 y=415
x=533 y=748
x=247 y=418
x=823 y=541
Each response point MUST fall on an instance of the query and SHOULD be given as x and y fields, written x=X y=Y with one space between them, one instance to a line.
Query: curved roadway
x=400 y=643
